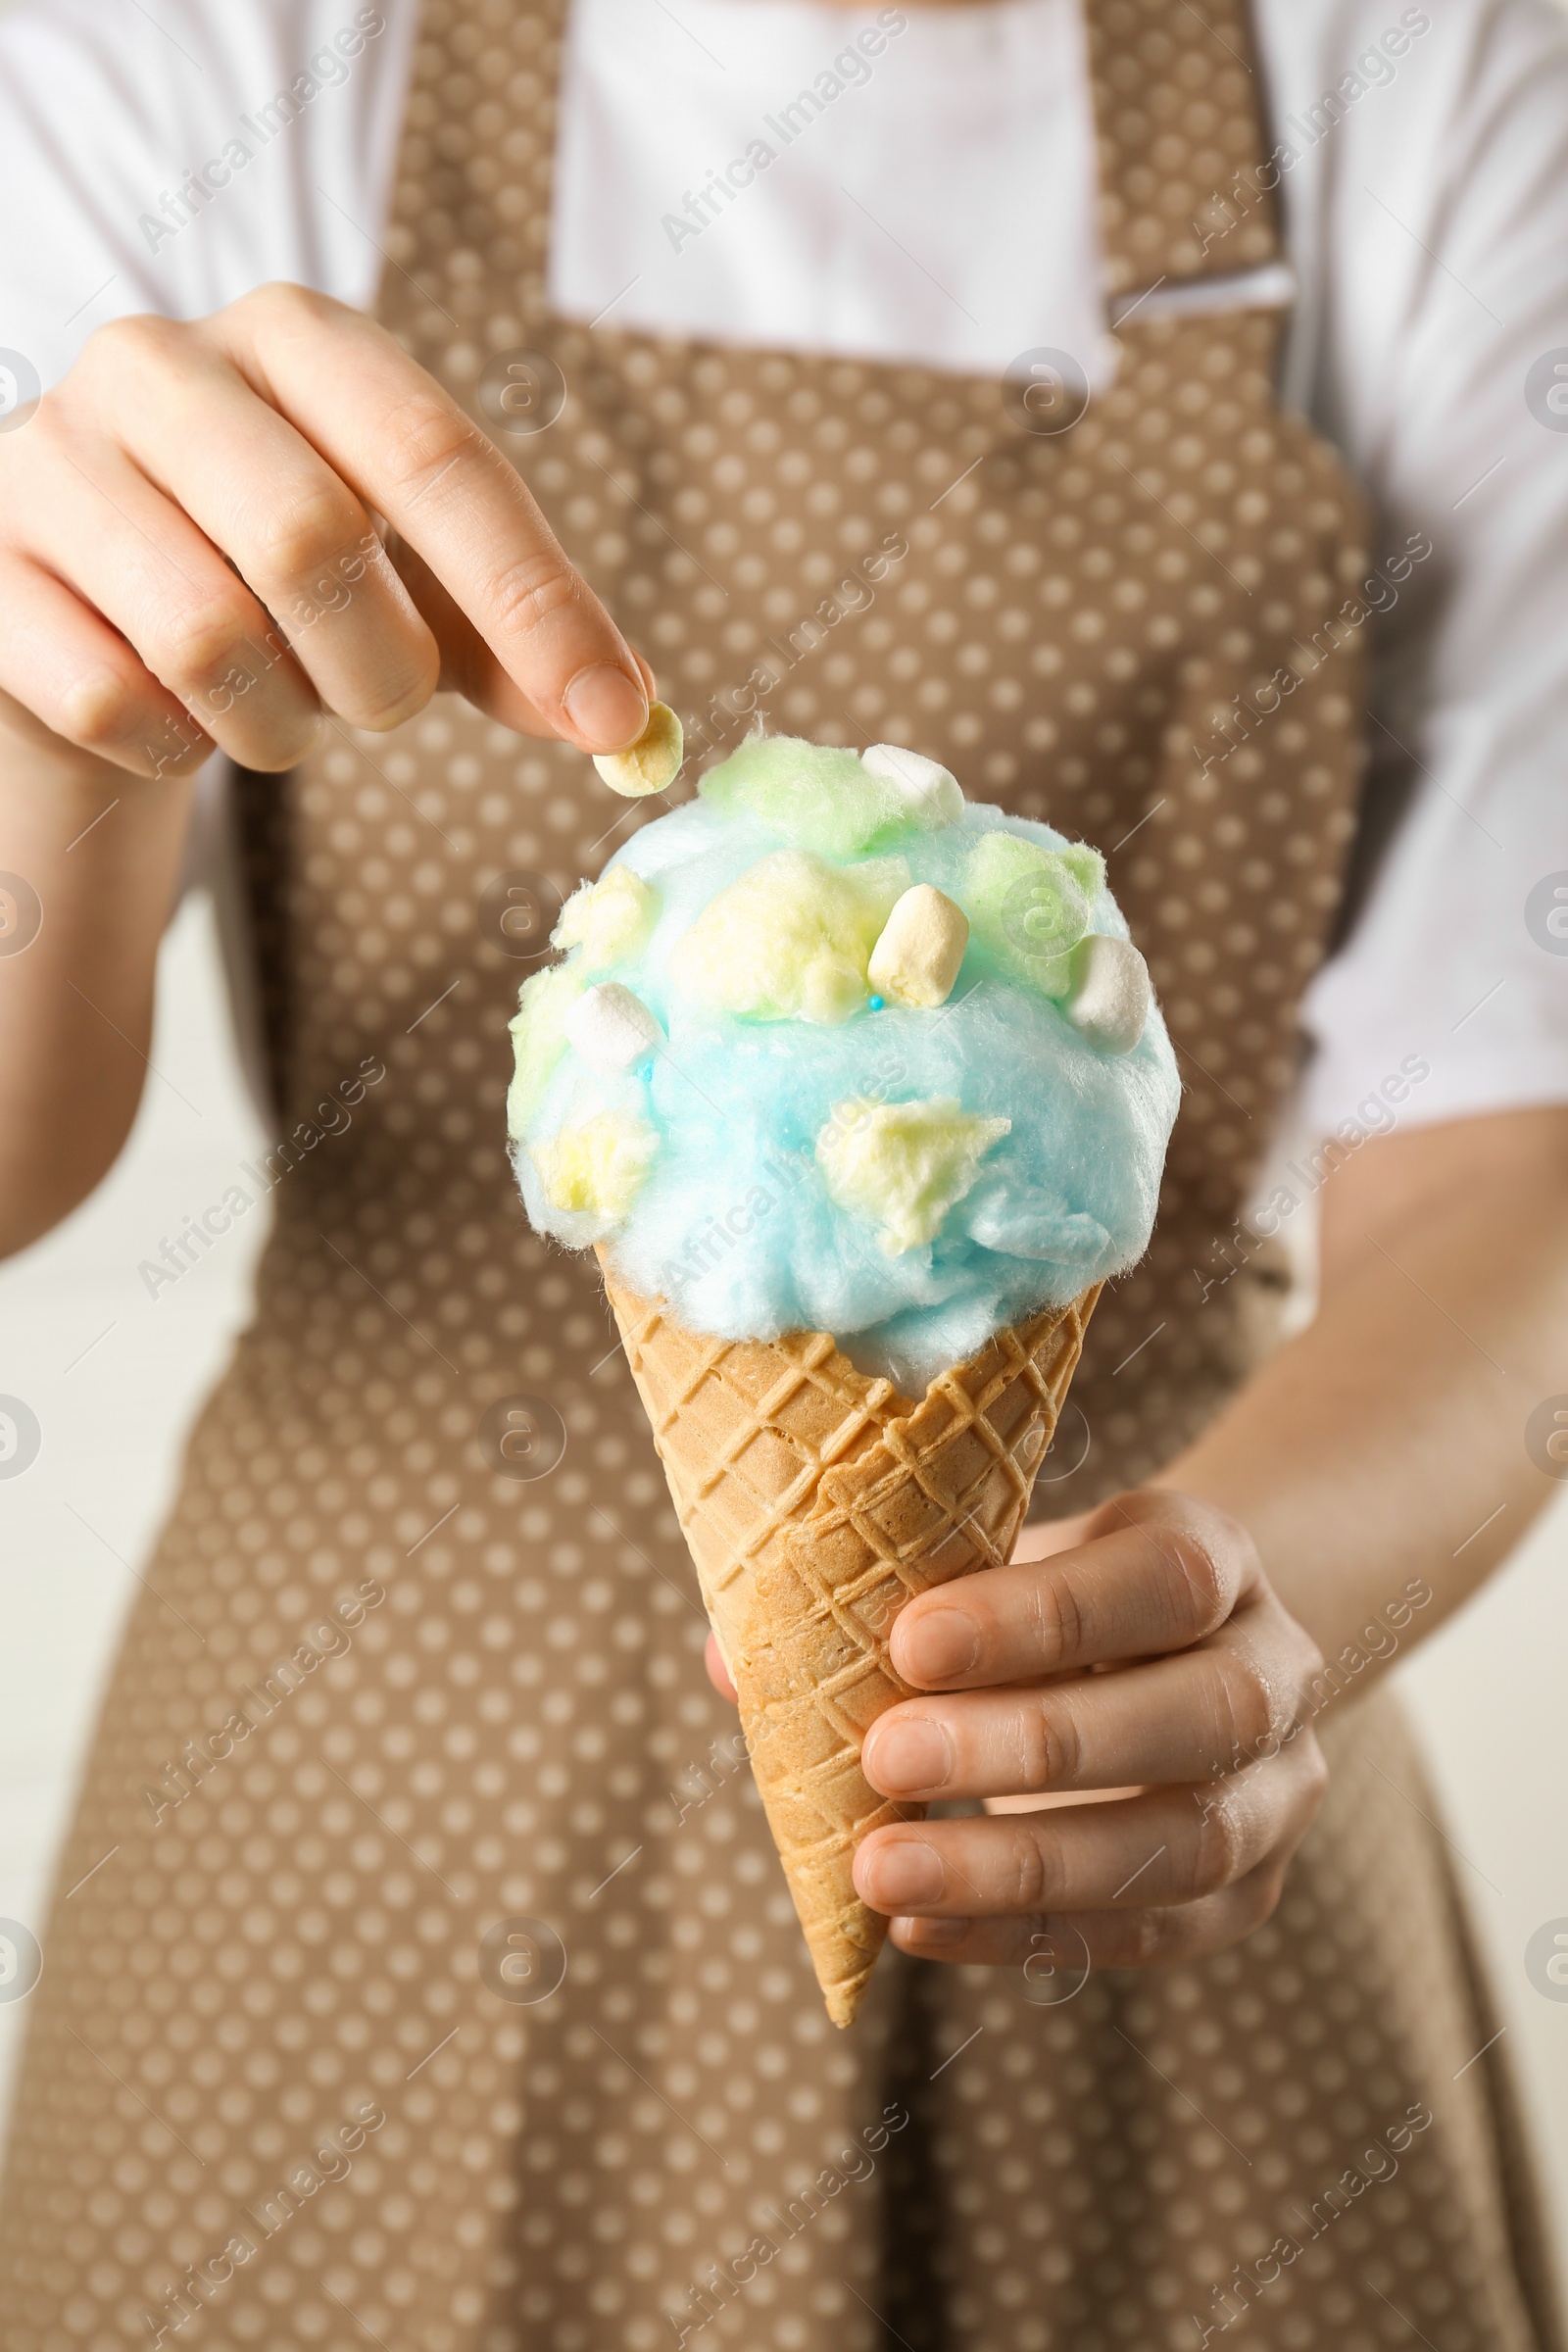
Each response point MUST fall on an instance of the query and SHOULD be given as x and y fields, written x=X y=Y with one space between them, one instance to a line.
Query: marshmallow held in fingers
x=929 y=791
x=1109 y=993
x=916 y=959
x=652 y=762
x=612 y=1029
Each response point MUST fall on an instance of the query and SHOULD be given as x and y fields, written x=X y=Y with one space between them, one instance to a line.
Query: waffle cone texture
x=816 y=1501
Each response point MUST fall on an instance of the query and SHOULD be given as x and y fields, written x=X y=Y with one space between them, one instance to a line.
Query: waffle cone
x=817 y=1500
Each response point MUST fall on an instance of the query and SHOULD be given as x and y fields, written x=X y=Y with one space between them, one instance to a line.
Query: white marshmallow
x=930 y=792
x=612 y=1029
x=916 y=959
x=1108 y=994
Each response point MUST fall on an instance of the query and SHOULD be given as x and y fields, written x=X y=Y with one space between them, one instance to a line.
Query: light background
x=117 y=1379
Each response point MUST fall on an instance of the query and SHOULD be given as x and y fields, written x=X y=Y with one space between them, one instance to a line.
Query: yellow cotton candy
x=609 y=920
x=904 y=1163
x=598 y=1167
x=791 y=939
x=538 y=1039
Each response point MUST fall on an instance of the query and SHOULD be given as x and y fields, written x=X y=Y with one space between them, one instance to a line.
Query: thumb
x=717 y=1671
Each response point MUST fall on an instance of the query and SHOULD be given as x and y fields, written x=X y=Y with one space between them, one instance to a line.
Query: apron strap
x=1179 y=108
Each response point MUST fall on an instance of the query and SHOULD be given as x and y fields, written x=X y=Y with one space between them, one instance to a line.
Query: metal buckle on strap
x=1273 y=287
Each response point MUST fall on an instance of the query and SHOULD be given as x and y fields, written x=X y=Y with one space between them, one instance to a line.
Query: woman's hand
x=190 y=552
x=237 y=532
x=1151 y=1652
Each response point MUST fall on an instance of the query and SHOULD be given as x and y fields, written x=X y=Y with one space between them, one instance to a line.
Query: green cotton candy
x=538 y=1039
x=814 y=796
x=790 y=940
x=1028 y=907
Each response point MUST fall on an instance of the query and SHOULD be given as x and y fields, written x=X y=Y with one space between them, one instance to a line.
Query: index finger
x=410 y=451
x=1156 y=1575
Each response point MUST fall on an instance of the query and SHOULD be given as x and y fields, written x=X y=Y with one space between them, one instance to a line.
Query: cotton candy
x=820 y=797
x=596 y=1169
x=792 y=937
x=607 y=920
x=538 y=1039
x=908 y=1178
x=1030 y=905
x=904 y=1164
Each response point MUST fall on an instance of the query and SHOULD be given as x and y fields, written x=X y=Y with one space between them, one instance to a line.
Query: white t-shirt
x=941 y=209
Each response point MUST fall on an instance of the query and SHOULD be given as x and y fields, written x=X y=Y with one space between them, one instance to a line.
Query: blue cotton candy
x=734 y=1224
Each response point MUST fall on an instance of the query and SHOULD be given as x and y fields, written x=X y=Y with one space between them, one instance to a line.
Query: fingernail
x=608 y=709
x=909 y=1872
x=939 y=1647
x=912 y=1753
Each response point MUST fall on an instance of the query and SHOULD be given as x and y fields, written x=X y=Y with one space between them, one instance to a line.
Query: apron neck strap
x=1179 y=112
x=1179 y=109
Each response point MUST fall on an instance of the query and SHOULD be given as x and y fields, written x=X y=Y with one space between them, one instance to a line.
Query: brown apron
x=421 y=1972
